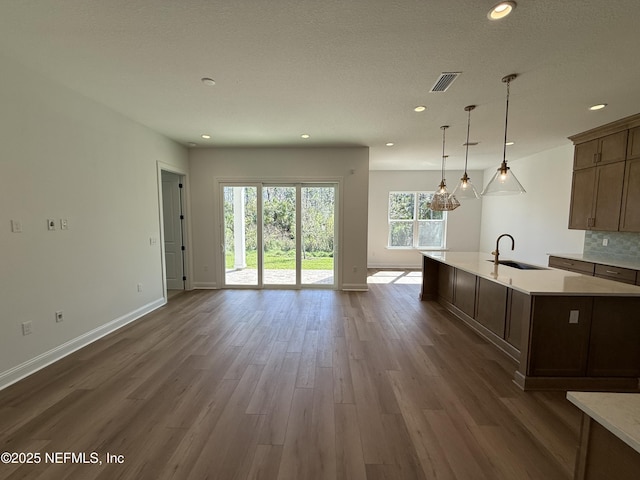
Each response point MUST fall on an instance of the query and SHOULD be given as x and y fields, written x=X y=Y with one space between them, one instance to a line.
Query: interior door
x=173 y=238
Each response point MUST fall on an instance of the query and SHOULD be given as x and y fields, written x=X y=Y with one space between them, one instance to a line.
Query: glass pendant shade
x=504 y=182
x=442 y=200
x=465 y=189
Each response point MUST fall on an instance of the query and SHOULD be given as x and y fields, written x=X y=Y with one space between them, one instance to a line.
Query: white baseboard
x=396 y=266
x=205 y=286
x=355 y=287
x=31 y=366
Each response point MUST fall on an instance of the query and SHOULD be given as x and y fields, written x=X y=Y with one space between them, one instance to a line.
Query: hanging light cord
x=444 y=129
x=466 y=155
x=506 y=122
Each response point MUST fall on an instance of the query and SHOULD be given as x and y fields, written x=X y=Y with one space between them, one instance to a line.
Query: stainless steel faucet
x=496 y=253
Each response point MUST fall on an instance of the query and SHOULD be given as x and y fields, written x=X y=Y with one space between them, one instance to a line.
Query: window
x=412 y=223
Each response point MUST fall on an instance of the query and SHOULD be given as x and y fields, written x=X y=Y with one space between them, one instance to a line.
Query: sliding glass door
x=279 y=235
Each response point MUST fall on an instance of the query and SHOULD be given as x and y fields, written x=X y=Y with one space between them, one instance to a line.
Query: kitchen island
x=565 y=330
x=610 y=435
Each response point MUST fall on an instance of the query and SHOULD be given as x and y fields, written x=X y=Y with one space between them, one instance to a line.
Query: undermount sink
x=519 y=265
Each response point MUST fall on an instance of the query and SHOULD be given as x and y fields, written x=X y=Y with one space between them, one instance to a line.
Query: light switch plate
x=16 y=226
x=51 y=224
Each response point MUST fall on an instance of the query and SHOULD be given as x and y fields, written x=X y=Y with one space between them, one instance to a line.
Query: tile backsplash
x=621 y=245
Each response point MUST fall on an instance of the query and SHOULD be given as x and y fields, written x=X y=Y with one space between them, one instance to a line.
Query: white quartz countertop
x=601 y=259
x=550 y=281
x=617 y=412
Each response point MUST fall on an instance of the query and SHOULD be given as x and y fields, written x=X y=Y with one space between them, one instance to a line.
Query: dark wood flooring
x=277 y=384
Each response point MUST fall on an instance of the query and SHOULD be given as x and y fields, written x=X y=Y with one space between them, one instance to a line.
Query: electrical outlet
x=16 y=226
x=139 y=287
x=27 y=328
x=59 y=316
x=605 y=242
x=64 y=224
x=573 y=316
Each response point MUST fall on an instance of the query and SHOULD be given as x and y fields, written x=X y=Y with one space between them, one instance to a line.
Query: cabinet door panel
x=609 y=183
x=582 y=196
x=614 y=348
x=464 y=296
x=517 y=312
x=585 y=154
x=559 y=346
x=633 y=144
x=491 y=308
x=445 y=282
x=613 y=148
x=630 y=215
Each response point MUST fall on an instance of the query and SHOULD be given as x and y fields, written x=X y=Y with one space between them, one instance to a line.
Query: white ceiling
x=348 y=72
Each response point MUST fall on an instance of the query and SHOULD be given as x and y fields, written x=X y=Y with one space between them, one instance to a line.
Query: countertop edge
x=586 y=401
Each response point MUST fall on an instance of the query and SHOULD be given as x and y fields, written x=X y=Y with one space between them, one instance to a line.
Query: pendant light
x=465 y=189
x=504 y=181
x=442 y=200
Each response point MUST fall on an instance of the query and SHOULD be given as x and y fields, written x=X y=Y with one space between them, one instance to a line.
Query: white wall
x=538 y=219
x=348 y=166
x=65 y=156
x=463 y=224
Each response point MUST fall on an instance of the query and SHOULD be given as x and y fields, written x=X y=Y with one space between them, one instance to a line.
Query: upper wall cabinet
x=609 y=149
x=630 y=213
x=605 y=191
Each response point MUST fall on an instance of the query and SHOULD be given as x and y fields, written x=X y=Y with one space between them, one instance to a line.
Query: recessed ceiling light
x=305 y=136
x=208 y=81
x=205 y=136
x=501 y=10
x=598 y=106
x=420 y=108
x=389 y=144
x=192 y=144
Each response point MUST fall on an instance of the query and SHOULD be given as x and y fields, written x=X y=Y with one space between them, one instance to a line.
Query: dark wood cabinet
x=560 y=336
x=607 y=149
x=605 y=189
x=630 y=214
x=602 y=270
x=624 y=275
x=578 y=266
x=608 y=197
x=582 y=198
x=446 y=274
x=604 y=455
x=517 y=316
x=633 y=144
x=491 y=307
x=464 y=296
x=614 y=343
x=596 y=197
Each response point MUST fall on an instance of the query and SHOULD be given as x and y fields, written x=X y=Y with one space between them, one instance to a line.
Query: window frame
x=415 y=223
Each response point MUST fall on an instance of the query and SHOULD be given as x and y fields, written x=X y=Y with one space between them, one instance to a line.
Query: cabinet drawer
x=578 y=266
x=625 y=275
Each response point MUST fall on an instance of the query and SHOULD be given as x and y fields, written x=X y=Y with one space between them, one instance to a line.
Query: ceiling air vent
x=444 y=81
